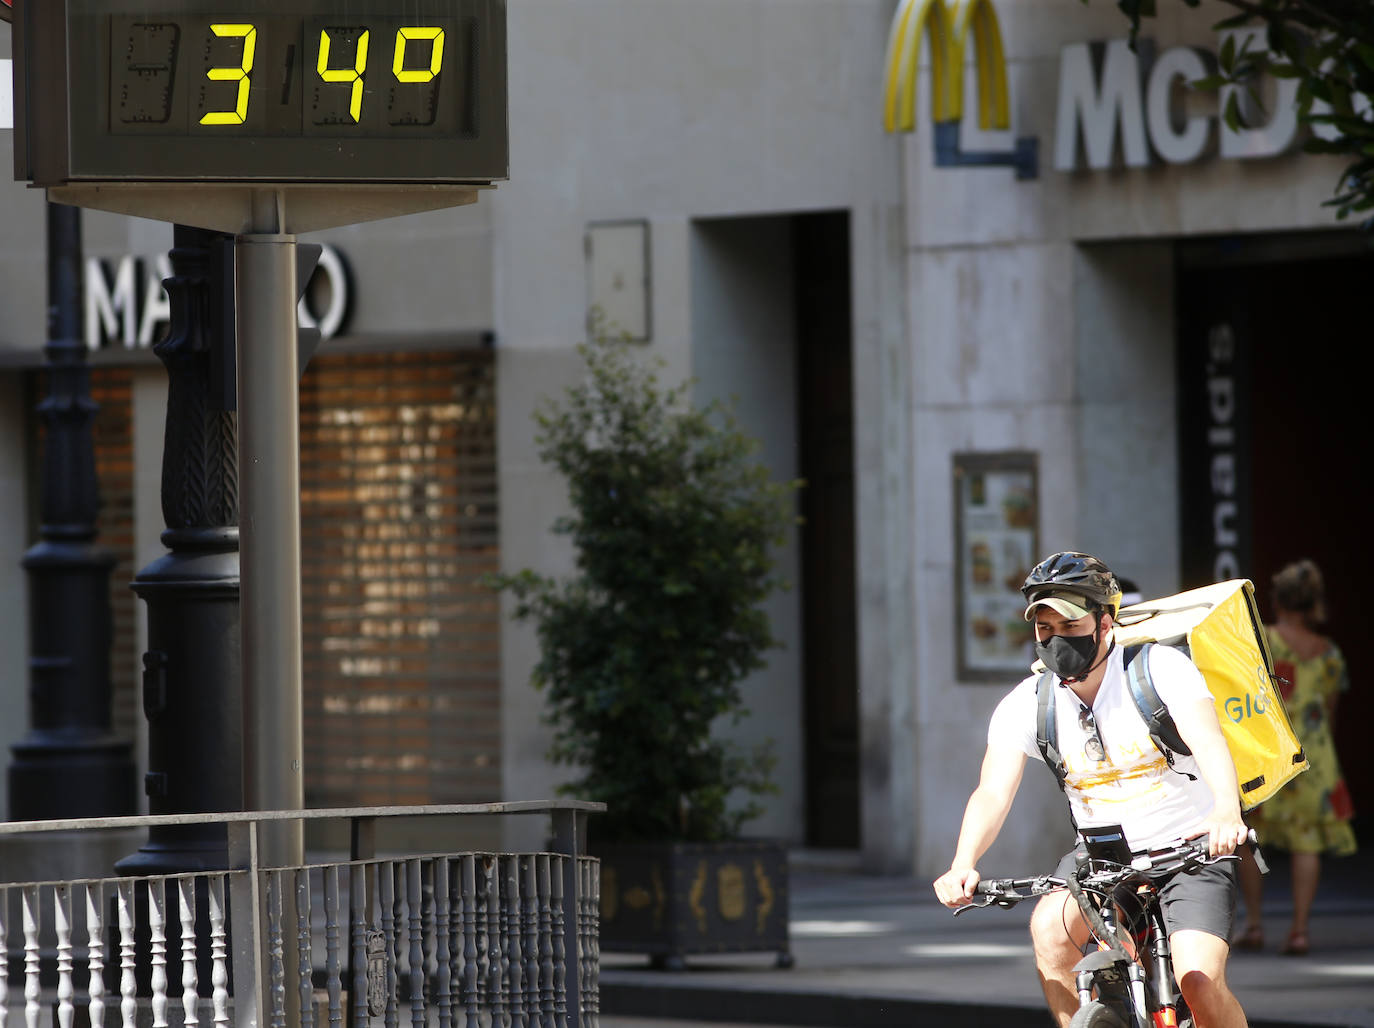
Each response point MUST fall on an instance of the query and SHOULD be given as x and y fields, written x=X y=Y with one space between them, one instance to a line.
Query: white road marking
x=967 y=950
x=839 y=929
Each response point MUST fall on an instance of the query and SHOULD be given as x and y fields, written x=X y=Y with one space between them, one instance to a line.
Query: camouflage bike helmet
x=1077 y=574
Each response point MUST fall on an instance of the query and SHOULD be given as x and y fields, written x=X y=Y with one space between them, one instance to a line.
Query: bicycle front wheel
x=1096 y=1015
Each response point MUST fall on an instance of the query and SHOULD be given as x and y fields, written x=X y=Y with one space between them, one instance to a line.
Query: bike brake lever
x=978 y=900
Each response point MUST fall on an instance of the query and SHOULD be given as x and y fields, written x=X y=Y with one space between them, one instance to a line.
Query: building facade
x=1132 y=351
x=1145 y=336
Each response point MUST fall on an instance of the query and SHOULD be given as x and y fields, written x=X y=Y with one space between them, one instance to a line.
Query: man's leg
x=1058 y=933
x=1200 y=967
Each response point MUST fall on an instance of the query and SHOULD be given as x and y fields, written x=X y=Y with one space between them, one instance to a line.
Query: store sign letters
x=1109 y=93
x=1223 y=473
x=127 y=306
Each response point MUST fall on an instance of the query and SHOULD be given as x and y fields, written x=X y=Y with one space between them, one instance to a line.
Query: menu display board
x=996 y=515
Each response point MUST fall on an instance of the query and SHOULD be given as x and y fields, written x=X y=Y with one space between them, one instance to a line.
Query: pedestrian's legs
x=1252 y=890
x=1306 y=875
x=1200 y=967
x=1058 y=933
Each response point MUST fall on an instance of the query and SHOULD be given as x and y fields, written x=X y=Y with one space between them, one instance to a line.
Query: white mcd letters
x=1115 y=100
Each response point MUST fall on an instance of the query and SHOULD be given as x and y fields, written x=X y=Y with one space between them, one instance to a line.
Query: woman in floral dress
x=1311 y=815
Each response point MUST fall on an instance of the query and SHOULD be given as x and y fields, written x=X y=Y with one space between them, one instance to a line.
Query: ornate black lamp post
x=70 y=764
x=191 y=678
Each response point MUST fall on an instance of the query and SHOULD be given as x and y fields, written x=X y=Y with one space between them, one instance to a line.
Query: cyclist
x=1115 y=776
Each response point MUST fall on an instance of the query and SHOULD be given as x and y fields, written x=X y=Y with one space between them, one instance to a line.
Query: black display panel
x=329 y=91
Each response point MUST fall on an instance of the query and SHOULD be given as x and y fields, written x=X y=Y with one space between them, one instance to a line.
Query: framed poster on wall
x=996 y=517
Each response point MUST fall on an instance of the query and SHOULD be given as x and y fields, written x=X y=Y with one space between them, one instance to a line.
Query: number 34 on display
x=350 y=76
x=278 y=76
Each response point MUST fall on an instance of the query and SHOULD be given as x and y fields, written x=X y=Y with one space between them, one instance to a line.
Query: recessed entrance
x=1279 y=331
x=771 y=328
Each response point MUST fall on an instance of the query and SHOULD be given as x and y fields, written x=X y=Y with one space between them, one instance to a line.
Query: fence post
x=569 y=836
x=246 y=927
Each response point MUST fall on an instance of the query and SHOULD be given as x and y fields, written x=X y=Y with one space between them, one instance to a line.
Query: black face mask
x=1068 y=656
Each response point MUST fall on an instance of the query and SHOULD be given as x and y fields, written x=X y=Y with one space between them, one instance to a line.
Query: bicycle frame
x=1117 y=976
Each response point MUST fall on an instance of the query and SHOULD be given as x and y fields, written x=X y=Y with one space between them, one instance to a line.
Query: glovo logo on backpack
x=1250 y=704
x=1237 y=709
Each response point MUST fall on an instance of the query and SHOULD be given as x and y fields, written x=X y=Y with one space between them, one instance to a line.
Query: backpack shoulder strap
x=1158 y=720
x=1047 y=728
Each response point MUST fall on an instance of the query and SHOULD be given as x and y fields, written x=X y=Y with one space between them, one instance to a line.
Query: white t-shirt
x=1134 y=787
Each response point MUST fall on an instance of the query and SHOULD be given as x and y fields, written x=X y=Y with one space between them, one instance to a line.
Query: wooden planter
x=670 y=900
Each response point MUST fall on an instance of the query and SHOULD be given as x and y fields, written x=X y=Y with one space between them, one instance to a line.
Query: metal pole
x=269 y=536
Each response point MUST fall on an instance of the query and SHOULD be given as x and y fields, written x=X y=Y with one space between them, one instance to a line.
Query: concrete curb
x=834 y=1009
x=843 y=1009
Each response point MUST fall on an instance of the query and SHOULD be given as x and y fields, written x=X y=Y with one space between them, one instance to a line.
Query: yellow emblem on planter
x=766 y=896
x=695 y=896
x=610 y=893
x=730 y=891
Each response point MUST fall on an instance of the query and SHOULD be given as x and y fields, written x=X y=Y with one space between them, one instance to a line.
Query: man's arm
x=1197 y=724
x=983 y=818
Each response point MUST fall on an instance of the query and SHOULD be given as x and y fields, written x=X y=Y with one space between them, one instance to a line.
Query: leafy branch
x=1328 y=46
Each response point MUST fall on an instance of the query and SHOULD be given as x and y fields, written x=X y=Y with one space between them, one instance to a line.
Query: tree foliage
x=1328 y=45
x=675 y=526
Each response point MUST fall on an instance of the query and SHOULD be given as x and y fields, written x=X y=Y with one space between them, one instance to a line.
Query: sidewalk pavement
x=881 y=951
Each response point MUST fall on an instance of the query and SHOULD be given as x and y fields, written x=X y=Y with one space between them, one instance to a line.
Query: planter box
x=673 y=899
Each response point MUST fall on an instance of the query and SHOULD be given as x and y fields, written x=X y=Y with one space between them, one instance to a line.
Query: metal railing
x=453 y=940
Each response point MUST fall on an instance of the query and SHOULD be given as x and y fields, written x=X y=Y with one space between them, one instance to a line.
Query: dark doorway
x=1295 y=329
x=826 y=432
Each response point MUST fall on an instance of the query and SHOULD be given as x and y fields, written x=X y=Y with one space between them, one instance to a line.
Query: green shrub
x=675 y=526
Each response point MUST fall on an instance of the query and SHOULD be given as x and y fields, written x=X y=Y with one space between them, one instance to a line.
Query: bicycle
x=1117 y=986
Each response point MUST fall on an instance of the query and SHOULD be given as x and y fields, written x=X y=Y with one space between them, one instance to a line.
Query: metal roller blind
x=112 y=389
x=401 y=641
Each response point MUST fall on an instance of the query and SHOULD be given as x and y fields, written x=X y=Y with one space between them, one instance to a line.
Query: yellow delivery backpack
x=1219 y=627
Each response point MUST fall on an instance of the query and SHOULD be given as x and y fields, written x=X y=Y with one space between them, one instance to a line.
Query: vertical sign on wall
x=1216 y=482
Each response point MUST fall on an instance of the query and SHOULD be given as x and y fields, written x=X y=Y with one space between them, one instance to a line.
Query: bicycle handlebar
x=1184 y=855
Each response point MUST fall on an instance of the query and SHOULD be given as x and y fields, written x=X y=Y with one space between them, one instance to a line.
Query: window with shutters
x=401 y=641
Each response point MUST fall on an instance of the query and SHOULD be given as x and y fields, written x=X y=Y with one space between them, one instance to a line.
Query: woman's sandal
x=1250 y=940
x=1298 y=945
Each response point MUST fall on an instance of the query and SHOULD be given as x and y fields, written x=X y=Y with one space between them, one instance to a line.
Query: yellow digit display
x=267 y=91
x=353 y=75
x=436 y=58
x=240 y=74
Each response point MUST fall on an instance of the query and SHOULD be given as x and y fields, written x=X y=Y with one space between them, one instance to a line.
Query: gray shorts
x=1204 y=900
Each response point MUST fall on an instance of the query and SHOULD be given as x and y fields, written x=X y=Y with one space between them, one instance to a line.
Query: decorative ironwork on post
x=70 y=764
x=191 y=688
